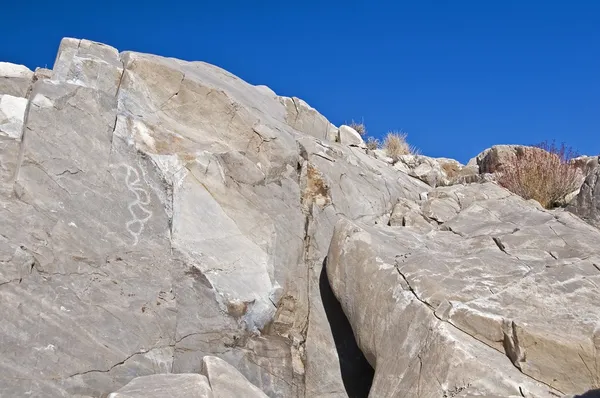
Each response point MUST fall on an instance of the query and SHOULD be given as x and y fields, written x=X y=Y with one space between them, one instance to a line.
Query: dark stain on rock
x=198 y=276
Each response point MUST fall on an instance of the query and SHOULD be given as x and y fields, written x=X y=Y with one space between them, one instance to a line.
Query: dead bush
x=372 y=143
x=359 y=127
x=543 y=173
x=395 y=145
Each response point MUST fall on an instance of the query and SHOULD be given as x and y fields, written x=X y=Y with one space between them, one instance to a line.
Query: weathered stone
x=494 y=159
x=407 y=213
x=585 y=163
x=487 y=283
x=158 y=212
x=587 y=202
x=434 y=171
x=14 y=79
x=348 y=136
x=89 y=64
x=12 y=114
x=218 y=379
x=307 y=120
x=42 y=73
x=170 y=204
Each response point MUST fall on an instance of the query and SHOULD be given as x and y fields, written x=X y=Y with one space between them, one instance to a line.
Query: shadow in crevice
x=357 y=373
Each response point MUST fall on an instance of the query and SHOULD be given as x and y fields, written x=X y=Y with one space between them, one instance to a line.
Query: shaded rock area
x=587 y=202
x=357 y=373
x=169 y=229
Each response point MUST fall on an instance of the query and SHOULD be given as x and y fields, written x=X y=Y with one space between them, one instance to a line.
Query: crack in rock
x=511 y=342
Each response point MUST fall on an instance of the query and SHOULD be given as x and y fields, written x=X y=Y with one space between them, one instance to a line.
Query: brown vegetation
x=543 y=173
x=395 y=145
x=372 y=143
x=359 y=127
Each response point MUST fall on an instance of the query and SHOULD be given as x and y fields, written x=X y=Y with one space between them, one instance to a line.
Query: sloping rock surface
x=501 y=281
x=156 y=211
x=159 y=214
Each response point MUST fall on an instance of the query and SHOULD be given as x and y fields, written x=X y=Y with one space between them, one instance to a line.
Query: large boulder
x=496 y=158
x=348 y=136
x=501 y=299
x=15 y=79
x=587 y=202
x=12 y=115
x=158 y=211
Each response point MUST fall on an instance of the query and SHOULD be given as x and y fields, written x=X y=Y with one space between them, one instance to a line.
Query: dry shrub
x=359 y=127
x=395 y=145
x=372 y=143
x=543 y=173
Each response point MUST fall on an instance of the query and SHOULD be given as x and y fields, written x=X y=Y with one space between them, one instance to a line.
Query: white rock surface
x=187 y=385
x=14 y=79
x=12 y=113
x=498 y=301
x=225 y=381
x=348 y=136
x=218 y=379
x=166 y=211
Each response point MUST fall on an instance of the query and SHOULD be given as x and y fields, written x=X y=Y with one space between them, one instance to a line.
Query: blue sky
x=457 y=76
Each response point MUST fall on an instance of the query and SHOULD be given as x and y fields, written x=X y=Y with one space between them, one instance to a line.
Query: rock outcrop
x=14 y=79
x=347 y=135
x=500 y=279
x=436 y=171
x=166 y=225
x=587 y=202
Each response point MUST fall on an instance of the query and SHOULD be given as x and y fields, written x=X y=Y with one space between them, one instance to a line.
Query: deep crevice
x=357 y=373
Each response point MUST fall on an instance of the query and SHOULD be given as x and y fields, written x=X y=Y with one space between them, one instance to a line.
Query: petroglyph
x=137 y=208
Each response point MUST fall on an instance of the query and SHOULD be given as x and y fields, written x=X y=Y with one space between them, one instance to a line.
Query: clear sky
x=456 y=75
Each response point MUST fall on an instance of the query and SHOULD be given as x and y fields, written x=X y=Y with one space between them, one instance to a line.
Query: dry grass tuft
x=373 y=143
x=395 y=145
x=543 y=173
x=359 y=127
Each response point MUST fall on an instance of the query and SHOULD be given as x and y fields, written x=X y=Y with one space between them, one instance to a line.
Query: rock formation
x=587 y=202
x=168 y=228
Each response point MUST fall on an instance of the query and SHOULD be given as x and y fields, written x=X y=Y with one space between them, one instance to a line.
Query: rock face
x=14 y=79
x=158 y=215
x=494 y=159
x=499 y=281
x=157 y=211
x=436 y=171
x=587 y=203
